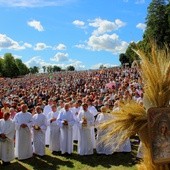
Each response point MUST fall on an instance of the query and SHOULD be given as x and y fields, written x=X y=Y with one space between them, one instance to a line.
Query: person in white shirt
x=23 y=125
x=46 y=110
x=101 y=146
x=85 y=122
x=126 y=145
x=94 y=111
x=75 y=110
x=39 y=129
x=7 y=131
x=66 y=122
x=54 y=144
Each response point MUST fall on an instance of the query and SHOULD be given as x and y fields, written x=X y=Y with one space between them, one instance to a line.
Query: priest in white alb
x=46 y=110
x=66 y=122
x=39 y=129
x=23 y=142
x=7 y=131
x=54 y=144
x=85 y=122
x=75 y=110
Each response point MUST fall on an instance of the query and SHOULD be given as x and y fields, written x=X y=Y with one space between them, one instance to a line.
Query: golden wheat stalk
x=156 y=75
x=126 y=122
x=132 y=117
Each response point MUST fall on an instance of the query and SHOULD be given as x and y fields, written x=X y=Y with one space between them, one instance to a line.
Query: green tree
x=10 y=68
x=144 y=46
x=23 y=69
x=167 y=37
x=129 y=56
x=123 y=58
x=102 y=67
x=34 y=70
x=1 y=66
x=70 y=68
x=49 y=69
x=157 y=27
x=44 y=68
x=56 y=68
x=130 y=52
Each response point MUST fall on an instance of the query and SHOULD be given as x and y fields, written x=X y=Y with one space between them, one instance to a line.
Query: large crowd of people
x=60 y=108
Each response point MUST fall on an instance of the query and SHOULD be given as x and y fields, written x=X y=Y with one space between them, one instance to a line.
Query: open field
x=117 y=161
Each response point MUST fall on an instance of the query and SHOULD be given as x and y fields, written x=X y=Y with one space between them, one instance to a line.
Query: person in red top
x=1 y=114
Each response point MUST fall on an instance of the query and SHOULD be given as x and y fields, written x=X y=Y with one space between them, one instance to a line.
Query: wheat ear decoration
x=132 y=118
x=126 y=122
x=156 y=75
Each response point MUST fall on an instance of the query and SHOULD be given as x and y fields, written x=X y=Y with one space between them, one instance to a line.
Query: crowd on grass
x=59 y=108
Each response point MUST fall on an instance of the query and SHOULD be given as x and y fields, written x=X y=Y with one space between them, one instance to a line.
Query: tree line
x=14 y=67
x=157 y=31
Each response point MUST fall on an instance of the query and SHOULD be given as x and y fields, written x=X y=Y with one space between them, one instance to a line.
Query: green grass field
x=117 y=161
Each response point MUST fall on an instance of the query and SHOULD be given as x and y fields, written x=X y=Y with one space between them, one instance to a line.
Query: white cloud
x=60 y=47
x=81 y=46
x=140 y=2
x=36 y=61
x=41 y=46
x=27 y=45
x=107 y=65
x=33 y=3
x=36 y=25
x=79 y=23
x=77 y=64
x=141 y=26
x=8 y=43
x=39 y=62
x=63 y=57
x=104 y=26
x=107 y=42
x=60 y=57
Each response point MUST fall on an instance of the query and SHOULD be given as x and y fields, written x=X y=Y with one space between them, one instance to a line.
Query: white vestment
x=54 y=144
x=85 y=141
x=94 y=111
x=23 y=147
x=39 y=135
x=126 y=145
x=66 y=135
x=75 y=111
x=101 y=146
x=7 y=146
x=46 y=110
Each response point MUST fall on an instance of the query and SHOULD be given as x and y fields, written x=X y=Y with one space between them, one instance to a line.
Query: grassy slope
x=117 y=161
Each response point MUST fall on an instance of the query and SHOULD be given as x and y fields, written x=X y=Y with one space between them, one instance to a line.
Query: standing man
x=23 y=122
x=75 y=110
x=94 y=111
x=39 y=129
x=46 y=110
x=66 y=122
x=101 y=146
x=7 y=131
x=54 y=144
x=85 y=121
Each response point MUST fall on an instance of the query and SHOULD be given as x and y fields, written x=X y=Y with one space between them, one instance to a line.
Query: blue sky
x=82 y=33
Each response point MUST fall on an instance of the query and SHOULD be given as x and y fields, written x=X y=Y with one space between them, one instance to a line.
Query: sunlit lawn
x=117 y=161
